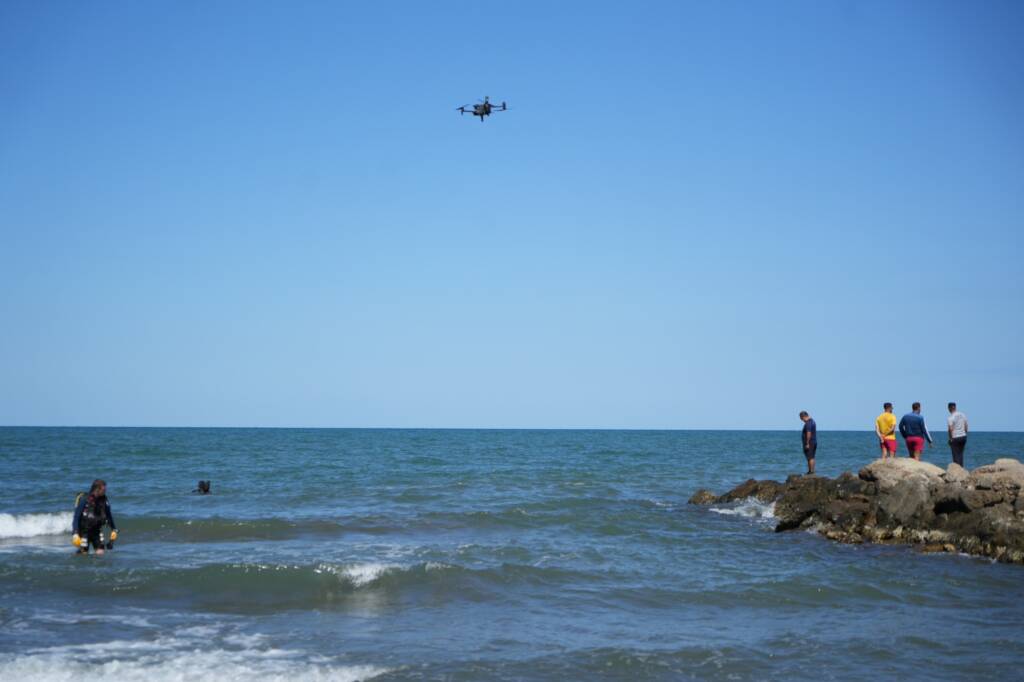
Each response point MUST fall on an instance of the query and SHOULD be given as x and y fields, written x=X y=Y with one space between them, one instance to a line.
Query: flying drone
x=481 y=109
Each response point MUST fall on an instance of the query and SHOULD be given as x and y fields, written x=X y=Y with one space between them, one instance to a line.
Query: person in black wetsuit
x=93 y=512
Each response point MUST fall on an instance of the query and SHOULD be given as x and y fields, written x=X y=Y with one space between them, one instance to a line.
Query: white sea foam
x=175 y=659
x=247 y=641
x=178 y=668
x=34 y=525
x=364 y=574
x=750 y=508
x=63 y=618
x=359 y=574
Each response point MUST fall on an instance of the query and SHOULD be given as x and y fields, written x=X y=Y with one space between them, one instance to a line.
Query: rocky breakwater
x=892 y=501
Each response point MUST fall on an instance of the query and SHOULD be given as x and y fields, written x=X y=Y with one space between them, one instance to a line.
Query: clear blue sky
x=694 y=215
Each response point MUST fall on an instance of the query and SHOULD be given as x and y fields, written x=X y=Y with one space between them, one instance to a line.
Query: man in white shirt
x=957 y=427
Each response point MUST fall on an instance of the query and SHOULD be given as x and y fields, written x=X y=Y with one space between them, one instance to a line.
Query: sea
x=347 y=554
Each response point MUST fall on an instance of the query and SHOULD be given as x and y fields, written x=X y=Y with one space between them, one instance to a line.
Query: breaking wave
x=175 y=658
x=750 y=508
x=34 y=525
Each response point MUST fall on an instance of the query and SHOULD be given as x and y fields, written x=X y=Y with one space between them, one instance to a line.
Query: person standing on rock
x=956 y=424
x=885 y=429
x=809 y=438
x=914 y=431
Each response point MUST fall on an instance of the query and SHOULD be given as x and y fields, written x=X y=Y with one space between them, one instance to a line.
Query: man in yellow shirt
x=885 y=429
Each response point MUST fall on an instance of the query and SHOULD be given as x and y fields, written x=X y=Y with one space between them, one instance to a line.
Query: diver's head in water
x=203 y=488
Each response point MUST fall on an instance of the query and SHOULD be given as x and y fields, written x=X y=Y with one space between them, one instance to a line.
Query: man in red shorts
x=885 y=429
x=914 y=431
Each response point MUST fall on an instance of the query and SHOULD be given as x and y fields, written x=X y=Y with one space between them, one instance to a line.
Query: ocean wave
x=174 y=659
x=262 y=587
x=572 y=512
x=220 y=529
x=360 y=574
x=196 y=649
x=209 y=529
x=34 y=525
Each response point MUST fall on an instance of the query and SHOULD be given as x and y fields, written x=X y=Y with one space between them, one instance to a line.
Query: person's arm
x=903 y=427
x=76 y=519
x=965 y=427
x=927 y=435
x=878 y=432
x=110 y=518
x=949 y=428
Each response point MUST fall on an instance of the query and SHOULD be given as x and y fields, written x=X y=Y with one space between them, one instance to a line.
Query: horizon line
x=447 y=428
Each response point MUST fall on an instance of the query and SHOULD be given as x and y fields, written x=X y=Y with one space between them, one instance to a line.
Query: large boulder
x=849 y=516
x=888 y=473
x=803 y=498
x=908 y=503
x=956 y=474
x=1004 y=474
x=995 y=526
x=979 y=499
x=949 y=499
x=905 y=490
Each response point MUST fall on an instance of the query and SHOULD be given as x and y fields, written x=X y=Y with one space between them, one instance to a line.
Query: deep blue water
x=471 y=555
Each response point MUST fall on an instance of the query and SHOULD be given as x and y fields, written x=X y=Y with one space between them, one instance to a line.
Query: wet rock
x=933 y=548
x=849 y=514
x=763 y=491
x=903 y=501
x=702 y=496
x=802 y=500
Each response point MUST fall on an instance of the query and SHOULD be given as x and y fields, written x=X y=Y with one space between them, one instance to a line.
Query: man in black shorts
x=809 y=439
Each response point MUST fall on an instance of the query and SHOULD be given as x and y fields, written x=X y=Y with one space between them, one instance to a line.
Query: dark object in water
x=203 y=488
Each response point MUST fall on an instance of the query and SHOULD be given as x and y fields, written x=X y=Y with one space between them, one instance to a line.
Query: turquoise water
x=471 y=555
